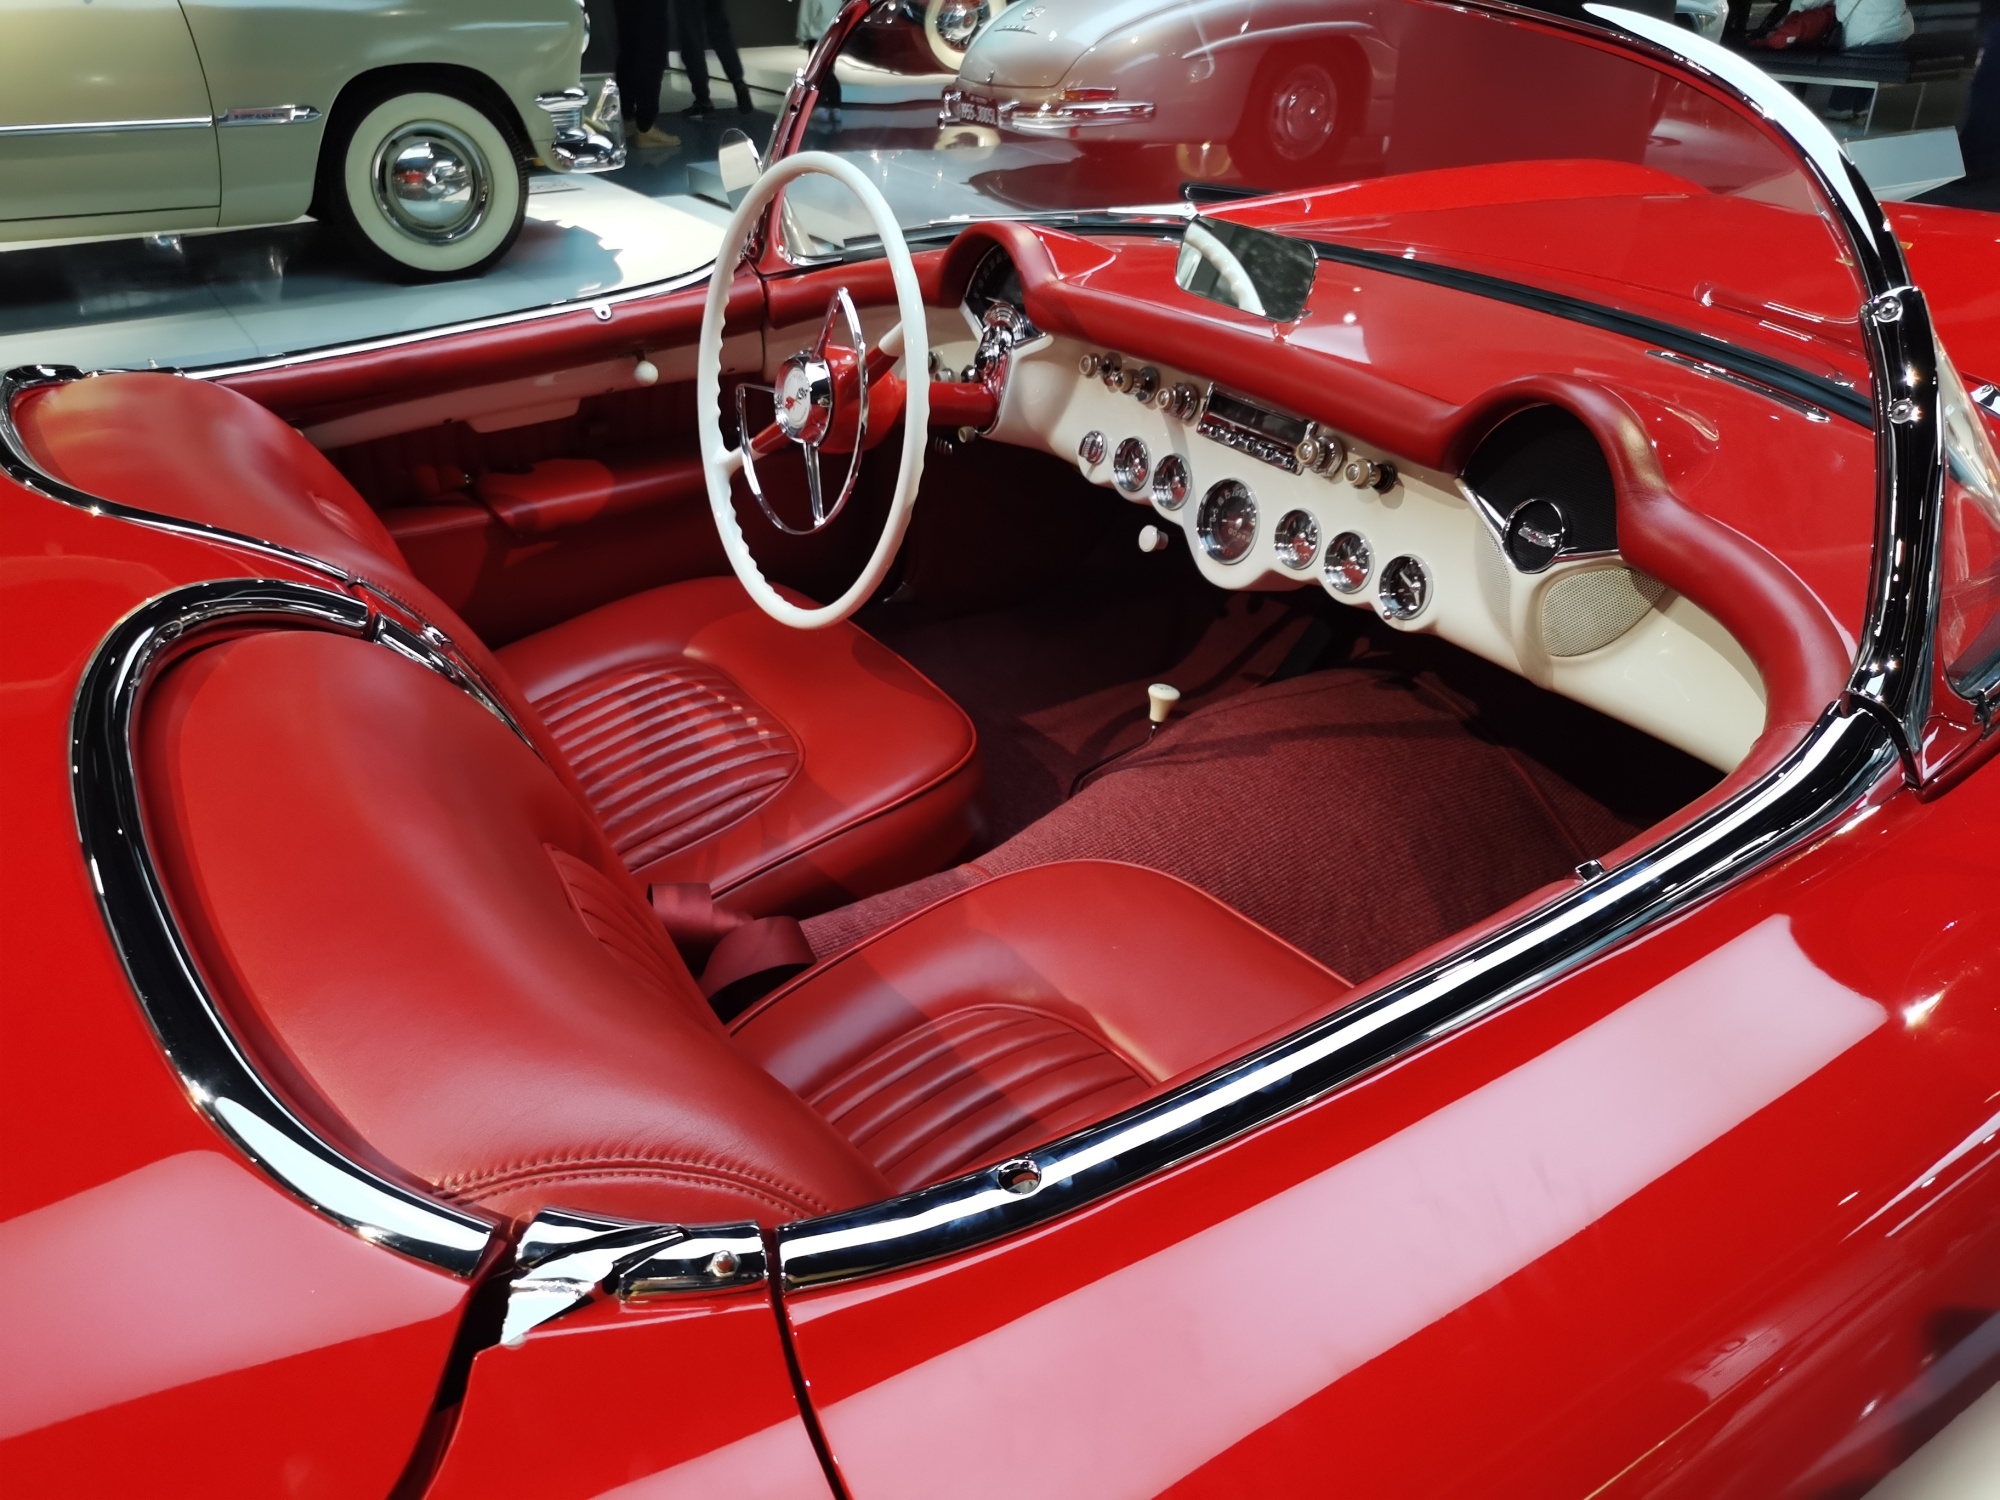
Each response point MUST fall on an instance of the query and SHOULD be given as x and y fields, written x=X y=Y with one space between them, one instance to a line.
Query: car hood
x=1032 y=46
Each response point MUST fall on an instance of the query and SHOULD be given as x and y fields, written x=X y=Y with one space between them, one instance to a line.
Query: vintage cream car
x=410 y=126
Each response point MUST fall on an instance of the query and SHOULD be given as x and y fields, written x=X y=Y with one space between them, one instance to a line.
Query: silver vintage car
x=409 y=124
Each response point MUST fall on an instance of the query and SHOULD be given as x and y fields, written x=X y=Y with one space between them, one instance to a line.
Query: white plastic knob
x=1152 y=539
x=646 y=372
x=1160 y=700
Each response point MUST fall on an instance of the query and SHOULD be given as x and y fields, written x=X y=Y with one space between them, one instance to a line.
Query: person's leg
x=691 y=35
x=630 y=70
x=723 y=39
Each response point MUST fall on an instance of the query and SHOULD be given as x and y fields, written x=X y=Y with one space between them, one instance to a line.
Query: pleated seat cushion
x=1024 y=1007
x=787 y=770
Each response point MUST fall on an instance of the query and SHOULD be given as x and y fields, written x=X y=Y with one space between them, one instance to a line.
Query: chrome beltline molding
x=164 y=975
x=1854 y=746
x=1844 y=756
x=101 y=127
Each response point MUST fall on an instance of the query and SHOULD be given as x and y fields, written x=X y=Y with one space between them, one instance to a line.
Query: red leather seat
x=1024 y=1007
x=432 y=948
x=778 y=767
x=789 y=770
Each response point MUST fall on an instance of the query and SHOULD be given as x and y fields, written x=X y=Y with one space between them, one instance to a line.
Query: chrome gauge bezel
x=1131 y=466
x=1219 y=494
x=1348 y=547
x=1389 y=596
x=1173 y=482
x=1296 y=540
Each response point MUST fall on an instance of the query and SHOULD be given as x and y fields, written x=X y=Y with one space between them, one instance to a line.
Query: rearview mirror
x=737 y=166
x=1267 y=274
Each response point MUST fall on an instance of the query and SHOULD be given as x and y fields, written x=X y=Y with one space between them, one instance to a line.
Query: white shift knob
x=645 y=372
x=1160 y=700
x=1152 y=539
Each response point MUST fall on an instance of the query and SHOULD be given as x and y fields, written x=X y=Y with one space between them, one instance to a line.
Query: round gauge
x=1297 y=539
x=1091 y=449
x=1535 y=535
x=1131 y=466
x=1227 y=521
x=1348 y=559
x=1405 y=588
x=1172 y=483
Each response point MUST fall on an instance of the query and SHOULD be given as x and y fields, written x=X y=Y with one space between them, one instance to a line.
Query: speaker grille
x=1589 y=609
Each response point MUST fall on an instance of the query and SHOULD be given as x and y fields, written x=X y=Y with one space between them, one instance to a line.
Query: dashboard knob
x=1144 y=382
x=1152 y=539
x=1367 y=474
x=1310 y=452
x=1089 y=363
x=1120 y=380
x=1186 y=401
x=1111 y=370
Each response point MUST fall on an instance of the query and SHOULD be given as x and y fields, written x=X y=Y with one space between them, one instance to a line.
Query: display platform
x=769 y=72
x=230 y=296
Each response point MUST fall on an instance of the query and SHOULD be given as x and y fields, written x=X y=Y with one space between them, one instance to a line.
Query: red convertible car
x=1386 y=885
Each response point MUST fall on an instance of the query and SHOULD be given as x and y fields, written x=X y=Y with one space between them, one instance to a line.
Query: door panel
x=127 y=67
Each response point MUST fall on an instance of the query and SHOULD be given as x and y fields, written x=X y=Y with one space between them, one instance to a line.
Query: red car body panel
x=1707 y=1218
x=691 y=1399
x=160 y=1291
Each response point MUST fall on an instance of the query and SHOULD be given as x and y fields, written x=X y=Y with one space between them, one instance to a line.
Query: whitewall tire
x=426 y=185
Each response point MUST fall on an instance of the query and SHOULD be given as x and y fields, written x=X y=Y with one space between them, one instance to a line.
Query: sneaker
x=652 y=138
x=698 y=108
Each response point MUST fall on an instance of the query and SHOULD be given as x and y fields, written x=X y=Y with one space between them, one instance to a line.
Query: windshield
x=1502 y=145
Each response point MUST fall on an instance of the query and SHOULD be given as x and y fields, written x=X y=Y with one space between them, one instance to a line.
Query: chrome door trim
x=217 y=1076
x=1857 y=744
x=1841 y=760
x=104 y=127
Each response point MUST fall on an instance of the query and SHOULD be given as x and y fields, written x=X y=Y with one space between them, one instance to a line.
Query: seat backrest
x=196 y=451
x=433 y=950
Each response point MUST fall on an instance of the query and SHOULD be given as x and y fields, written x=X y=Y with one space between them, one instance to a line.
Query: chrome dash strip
x=1798 y=404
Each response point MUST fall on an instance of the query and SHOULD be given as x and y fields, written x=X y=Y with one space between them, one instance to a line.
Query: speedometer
x=1227 y=521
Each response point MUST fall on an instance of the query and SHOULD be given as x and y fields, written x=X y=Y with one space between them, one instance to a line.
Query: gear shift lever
x=1160 y=700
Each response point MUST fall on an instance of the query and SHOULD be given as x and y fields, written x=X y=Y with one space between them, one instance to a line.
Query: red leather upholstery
x=789 y=770
x=722 y=747
x=1024 y=1007
x=430 y=942
x=433 y=950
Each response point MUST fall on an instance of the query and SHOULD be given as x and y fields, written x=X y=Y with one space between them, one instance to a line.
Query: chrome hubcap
x=959 y=22
x=432 y=182
x=1302 y=111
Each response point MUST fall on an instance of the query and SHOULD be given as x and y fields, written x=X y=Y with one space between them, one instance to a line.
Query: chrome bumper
x=588 y=138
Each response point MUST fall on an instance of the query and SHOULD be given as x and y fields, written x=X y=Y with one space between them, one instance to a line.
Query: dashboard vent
x=1590 y=608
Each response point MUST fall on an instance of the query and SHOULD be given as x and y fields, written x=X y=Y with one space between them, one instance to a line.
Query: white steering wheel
x=809 y=395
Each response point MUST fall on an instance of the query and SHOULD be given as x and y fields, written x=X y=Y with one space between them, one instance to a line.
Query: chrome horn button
x=805 y=397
